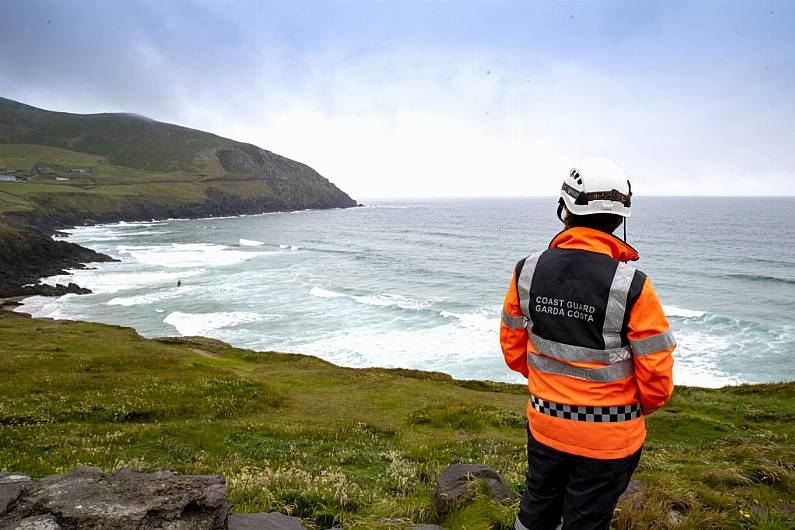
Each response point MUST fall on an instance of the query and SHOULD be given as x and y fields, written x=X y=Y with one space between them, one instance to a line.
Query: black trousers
x=582 y=491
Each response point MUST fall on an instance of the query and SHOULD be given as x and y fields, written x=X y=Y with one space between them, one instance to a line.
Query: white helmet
x=596 y=185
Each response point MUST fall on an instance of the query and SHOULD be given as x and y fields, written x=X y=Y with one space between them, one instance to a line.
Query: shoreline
x=10 y=305
x=44 y=249
x=151 y=324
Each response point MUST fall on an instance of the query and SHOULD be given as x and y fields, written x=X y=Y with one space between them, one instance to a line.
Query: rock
x=43 y=289
x=89 y=498
x=633 y=488
x=27 y=255
x=453 y=486
x=675 y=517
x=264 y=521
x=39 y=522
x=632 y=496
x=11 y=485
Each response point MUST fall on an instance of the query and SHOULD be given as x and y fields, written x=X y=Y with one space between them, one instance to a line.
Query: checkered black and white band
x=586 y=413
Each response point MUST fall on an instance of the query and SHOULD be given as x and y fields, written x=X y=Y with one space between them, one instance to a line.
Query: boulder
x=11 y=485
x=455 y=486
x=89 y=498
x=264 y=521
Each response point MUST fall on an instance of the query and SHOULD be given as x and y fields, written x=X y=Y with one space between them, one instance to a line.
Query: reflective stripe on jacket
x=587 y=330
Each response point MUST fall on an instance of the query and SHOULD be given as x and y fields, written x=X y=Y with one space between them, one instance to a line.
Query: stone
x=631 y=495
x=89 y=498
x=11 y=485
x=455 y=486
x=264 y=521
x=38 y=522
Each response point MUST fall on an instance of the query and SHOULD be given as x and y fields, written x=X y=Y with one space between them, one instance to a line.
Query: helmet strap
x=560 y=210
x=625 y=229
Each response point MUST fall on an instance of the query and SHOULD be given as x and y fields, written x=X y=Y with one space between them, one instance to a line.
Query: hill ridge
x=174 y=171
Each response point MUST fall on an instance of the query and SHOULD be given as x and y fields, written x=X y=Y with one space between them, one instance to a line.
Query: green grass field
x=104 y=188
x=357 y=448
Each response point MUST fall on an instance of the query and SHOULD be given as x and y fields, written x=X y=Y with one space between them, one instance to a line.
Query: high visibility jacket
x=587 y=330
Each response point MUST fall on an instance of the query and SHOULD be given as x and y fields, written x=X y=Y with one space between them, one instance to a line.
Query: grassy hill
x=74 y=169
x=357 y=448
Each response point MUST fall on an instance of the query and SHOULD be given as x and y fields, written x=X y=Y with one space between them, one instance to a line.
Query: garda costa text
x=564 y=308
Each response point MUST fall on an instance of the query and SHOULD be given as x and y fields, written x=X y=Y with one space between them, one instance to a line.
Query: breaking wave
x=673 y=311
x=188 y=324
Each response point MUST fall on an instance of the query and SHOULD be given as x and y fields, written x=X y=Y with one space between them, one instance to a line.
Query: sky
x=438 y=98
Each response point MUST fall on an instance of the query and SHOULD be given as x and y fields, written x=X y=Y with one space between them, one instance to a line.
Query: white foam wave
x=150 y=298
x=324 y=293
x=102 y=280
x=202 y=323
x=291 y=247
x=179 y=255
x=489 y=323
x=43 y=306
x=391 y=300
x=250 y=243
x=673 y=311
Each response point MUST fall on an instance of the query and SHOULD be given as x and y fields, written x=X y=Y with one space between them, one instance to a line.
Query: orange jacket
x=567 y=375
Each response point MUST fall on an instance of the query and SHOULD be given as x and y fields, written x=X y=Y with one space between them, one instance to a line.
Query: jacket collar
x=582 y=238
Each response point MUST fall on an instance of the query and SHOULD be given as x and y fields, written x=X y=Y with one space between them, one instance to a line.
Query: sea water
x=419 y=284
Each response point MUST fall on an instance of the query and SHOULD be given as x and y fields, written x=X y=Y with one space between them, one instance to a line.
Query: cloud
x=393 y=100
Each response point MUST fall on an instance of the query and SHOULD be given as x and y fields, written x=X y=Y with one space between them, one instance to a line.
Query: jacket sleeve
x=513 y=331
x=652 y=344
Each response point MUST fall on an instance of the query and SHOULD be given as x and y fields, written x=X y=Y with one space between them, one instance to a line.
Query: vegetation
x=75 y=168
x=357 y=448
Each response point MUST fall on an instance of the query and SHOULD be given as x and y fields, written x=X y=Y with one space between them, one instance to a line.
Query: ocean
x=419 y=283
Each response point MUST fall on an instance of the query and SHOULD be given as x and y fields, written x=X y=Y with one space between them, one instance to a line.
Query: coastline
x=30 y=252
x=156 y=307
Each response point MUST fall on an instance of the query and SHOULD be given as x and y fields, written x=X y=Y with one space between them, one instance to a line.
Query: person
x=588 y=331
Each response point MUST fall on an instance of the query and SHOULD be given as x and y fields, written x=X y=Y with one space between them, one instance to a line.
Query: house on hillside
x=8 y=178
x=61 y=179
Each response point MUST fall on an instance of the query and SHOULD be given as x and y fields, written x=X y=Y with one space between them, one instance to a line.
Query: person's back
x=586 y=328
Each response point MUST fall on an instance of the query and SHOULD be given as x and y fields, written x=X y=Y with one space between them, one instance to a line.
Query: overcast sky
x=426 y=98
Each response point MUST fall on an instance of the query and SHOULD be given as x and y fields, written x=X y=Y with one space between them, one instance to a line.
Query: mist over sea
x=419 y=284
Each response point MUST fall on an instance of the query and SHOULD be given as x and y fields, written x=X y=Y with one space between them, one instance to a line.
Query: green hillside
x=73 y=169
x=357 y=448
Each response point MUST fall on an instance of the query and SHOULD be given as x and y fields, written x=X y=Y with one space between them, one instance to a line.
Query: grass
x=357 y=448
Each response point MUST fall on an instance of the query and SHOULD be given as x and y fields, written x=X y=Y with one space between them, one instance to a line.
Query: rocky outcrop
x=455 y=486
x=88 y=498
x=53 y=290
x=26 y=256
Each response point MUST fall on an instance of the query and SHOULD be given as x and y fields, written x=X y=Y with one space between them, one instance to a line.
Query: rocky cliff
x=26 y=256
